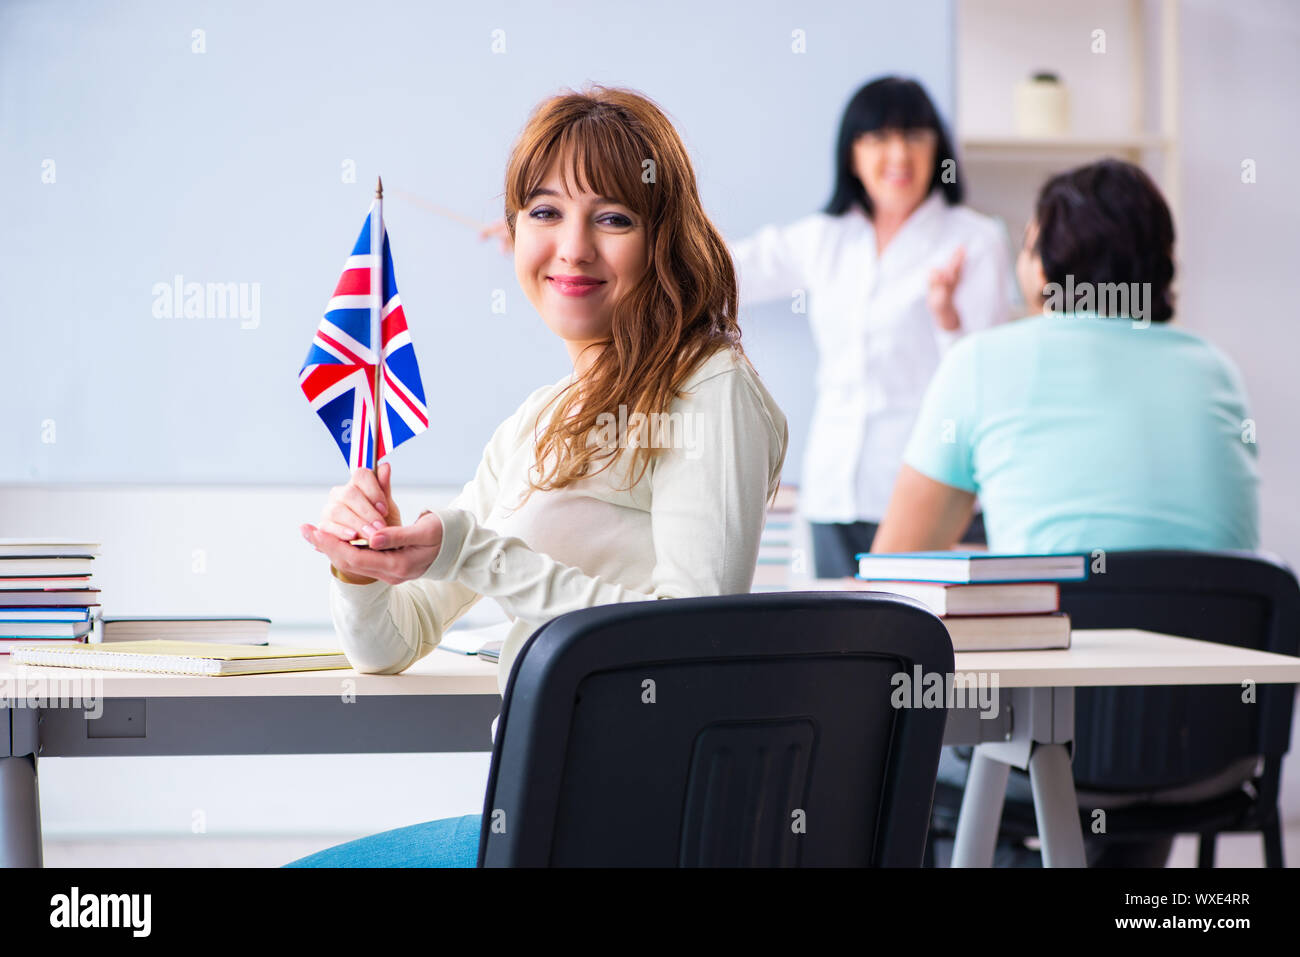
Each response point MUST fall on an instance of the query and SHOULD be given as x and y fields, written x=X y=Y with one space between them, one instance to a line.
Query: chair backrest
x=741 y=730
x=1147 y=738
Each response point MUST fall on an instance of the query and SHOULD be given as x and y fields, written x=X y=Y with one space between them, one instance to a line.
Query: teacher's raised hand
x=943 y=284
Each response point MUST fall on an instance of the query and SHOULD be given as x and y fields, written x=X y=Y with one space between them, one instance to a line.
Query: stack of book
x=776 y=546
x=46 y=596
x=987 y=602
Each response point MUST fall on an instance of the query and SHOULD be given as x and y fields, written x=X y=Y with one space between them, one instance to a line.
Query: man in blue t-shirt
x=1092 y=426
x=1078 y=432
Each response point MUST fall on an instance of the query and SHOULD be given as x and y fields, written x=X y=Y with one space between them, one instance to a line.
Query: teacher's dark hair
x=889 y=103
x=1107 y=223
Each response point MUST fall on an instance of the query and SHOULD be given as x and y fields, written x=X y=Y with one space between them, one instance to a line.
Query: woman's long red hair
x=617 y=143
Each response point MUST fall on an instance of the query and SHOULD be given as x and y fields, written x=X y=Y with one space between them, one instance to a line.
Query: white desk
x=443 y=703
x=446 y=702
x=434 y=674
x=1041 y=719
x=1116 y=657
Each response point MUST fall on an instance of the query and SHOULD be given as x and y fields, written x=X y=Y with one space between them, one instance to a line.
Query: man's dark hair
x=1107 y=223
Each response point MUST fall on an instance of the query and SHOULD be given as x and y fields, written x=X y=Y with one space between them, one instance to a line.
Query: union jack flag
x=338 y=377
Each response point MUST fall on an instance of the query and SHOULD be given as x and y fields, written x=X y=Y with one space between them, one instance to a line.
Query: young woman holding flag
x=566 y=511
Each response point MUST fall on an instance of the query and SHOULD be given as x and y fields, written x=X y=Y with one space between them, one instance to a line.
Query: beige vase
x=1042 y=107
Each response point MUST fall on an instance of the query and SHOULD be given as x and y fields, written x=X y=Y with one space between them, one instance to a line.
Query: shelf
x=1128 y=110
x=1030 y=148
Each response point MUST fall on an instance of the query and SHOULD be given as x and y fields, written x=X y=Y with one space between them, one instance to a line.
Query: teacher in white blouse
x=892 y=272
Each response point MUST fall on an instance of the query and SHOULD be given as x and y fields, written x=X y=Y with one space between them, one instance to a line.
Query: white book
x=45 y=547
x=968 y=567
x=1009 y=632
x=231 y=629
x=11 y=567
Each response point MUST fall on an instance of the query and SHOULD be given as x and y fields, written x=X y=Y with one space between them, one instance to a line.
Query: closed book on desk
x=223 y=629
x=183 y=658
x=1009 y=632
x=969 y=567
x=1029 y=598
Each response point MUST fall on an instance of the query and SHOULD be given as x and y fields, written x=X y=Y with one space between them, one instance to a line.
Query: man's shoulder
x=1195 y=348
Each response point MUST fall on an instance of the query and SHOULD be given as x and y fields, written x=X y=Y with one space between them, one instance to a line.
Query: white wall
x=201 y=550
x=1240 y=243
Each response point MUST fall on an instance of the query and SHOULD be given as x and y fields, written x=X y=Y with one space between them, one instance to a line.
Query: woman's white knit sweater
x=690 y=527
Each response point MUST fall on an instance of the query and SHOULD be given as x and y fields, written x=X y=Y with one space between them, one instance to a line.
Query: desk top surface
x=1097 y=658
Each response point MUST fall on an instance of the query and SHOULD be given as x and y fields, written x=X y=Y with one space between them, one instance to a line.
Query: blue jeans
x=450 y=842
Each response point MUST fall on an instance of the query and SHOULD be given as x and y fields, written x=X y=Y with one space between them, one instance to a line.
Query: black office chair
x=742 y=730
x=1135 y=741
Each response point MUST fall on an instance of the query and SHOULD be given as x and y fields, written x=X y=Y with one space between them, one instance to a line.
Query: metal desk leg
x=1039 y=741
x=1056 y=807
x=20 y=804
x=981 y=812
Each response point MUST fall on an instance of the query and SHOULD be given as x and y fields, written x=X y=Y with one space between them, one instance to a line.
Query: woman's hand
x=943 y=283
x=502 y=232
x=365 y=502
x=354 y=511
x=396 y=553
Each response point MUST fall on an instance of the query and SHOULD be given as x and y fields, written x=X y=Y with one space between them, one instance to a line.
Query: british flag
x=338 y=377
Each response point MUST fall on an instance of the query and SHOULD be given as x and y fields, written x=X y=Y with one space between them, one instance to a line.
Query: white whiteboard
x=226 y=165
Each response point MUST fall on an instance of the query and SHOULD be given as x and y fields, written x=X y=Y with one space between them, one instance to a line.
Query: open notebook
x=182 y=657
